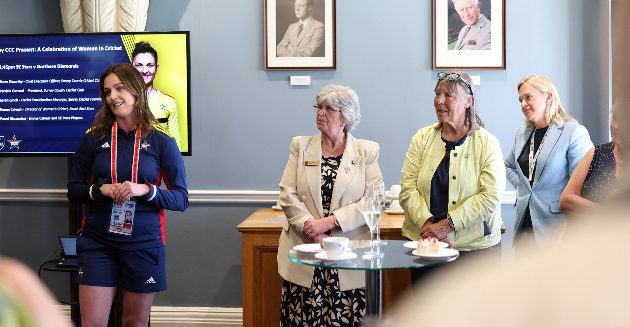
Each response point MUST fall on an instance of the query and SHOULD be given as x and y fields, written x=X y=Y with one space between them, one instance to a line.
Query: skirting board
x=188 y=316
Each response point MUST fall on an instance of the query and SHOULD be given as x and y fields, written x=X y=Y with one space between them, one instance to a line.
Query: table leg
x=373 y=294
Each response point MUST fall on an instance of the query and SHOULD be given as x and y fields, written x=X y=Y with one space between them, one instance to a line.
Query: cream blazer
x=301 y=200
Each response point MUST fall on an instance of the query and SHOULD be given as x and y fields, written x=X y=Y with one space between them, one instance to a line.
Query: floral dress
x=322 y=304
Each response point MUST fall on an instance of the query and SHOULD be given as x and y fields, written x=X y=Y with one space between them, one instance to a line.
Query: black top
x=523 y=162
x=330 y=165
x=601 y=173
x=439 y=183
x=523 y=159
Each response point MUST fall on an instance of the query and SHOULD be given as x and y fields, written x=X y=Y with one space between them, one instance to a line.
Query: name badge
x=121 y=220
x=311 y=163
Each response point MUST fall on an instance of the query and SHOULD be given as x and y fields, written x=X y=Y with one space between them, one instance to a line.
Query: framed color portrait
x=299 y=34
x=469 y=34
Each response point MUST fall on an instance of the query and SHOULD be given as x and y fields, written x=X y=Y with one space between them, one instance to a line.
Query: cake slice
x=429 y=245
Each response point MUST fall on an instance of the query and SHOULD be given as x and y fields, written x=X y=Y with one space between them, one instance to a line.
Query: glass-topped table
x=395 y=256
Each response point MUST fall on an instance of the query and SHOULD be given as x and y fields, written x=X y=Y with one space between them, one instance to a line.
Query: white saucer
x=391 y=212
x=277 y=208
x=414 y=244
x=442 y=253
x=308 y=247
x=344 y=256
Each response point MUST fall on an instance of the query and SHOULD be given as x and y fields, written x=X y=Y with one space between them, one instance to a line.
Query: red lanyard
x=114 y=155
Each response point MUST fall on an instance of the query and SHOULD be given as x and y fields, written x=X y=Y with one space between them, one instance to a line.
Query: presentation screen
x=49 y=86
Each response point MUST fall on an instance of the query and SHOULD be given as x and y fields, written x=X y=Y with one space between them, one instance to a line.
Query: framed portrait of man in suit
x=299 y=34
x=469 y=34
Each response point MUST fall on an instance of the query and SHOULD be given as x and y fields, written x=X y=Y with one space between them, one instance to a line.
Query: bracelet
x=450 y=221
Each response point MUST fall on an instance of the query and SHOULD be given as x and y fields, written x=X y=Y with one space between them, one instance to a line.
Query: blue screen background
x=48 y=110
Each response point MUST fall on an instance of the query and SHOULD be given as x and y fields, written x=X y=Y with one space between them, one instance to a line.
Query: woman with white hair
x=546 y=151
x=321 y=194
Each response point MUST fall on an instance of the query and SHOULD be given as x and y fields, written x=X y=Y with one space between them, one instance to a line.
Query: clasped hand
x=438 y=230
x=121 y=192
x=316 y=228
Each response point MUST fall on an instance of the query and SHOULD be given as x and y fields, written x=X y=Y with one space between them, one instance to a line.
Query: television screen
x=49 y=86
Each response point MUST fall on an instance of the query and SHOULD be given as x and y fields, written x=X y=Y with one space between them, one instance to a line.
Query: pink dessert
x=428 y=245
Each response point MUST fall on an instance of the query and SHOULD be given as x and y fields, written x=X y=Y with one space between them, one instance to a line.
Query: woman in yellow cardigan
x=453 y=176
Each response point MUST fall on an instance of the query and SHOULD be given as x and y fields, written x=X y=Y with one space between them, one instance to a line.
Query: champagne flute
x=373 y=202
x=380 y=186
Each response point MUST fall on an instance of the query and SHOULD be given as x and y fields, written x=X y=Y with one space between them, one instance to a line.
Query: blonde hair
x=555 y=112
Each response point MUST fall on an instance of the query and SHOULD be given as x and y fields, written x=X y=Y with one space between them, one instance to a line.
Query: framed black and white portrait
x=469 y=34
x=299 y=34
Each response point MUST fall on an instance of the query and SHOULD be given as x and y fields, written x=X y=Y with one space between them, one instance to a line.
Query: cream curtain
x=104 y=15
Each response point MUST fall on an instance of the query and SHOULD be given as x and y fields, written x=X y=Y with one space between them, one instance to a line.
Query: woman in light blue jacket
x=545 y=153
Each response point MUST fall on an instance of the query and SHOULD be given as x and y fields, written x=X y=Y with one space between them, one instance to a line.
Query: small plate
x=308 y=247
x=344 y=256
x=391 y=212
x=414 y=244
x=276 y=208
x=442 y=253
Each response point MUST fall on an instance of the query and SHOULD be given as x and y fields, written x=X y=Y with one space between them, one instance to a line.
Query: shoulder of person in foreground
x=563 y=285
x=30 y=294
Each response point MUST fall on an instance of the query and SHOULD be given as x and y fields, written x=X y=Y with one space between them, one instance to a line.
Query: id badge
x=121 y=220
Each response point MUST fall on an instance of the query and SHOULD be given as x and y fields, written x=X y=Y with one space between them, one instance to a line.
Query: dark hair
x=133 y=82
x=144 y=47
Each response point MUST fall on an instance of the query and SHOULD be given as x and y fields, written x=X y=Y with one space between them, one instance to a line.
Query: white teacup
x=394 y=191
x=335 y=246
x=395 y=206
